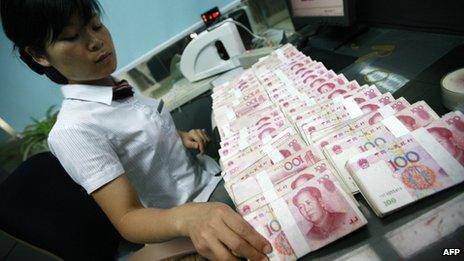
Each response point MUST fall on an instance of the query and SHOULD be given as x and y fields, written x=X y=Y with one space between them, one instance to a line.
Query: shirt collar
x=95 y=93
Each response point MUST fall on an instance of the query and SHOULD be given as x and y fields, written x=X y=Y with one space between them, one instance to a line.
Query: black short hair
x=34 y=23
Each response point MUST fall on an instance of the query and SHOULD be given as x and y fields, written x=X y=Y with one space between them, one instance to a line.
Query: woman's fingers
x=219 y=251
x=190 y=144
x=208 y=245
x=201 y=147
x=200 y=139
x=237 y=224
x=202 y=134
x=238 y=245
x=196 y=139
x=196 y=135
x=216 y=239
x=205 y=135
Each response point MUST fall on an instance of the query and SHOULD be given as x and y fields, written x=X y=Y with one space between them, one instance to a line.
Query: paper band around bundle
x=280 y=55
x=226 y=130
x=287 y=131
x=266 y=138
x=289 y=226
x=395 y=126
x=307 y=120
x=308 y=100
x=243 y=132
x=272 y=153
x=267 y=187
x=237 y=93
x=230 y=114
x=243 y=139
x=288 y=83
x=243 y=144
x=444 y=159
x=338 y=99
x=352 y=108
x=386 y=111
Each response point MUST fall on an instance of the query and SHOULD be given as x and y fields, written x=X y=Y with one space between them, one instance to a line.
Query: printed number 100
x=402 y=161
x=389 y=201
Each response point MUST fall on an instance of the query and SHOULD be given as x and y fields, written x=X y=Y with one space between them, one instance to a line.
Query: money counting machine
x=213 y=51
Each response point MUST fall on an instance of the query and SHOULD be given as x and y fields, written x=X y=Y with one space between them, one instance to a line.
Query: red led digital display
x=211 y=16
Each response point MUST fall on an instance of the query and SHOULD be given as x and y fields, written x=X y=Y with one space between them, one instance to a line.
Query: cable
x=239 y=24
x=248 y=30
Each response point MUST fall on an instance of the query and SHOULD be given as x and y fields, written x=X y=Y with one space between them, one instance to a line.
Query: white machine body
x=201 y=58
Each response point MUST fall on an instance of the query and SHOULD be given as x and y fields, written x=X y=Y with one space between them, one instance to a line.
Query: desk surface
x=180 y=92
x=390 y=58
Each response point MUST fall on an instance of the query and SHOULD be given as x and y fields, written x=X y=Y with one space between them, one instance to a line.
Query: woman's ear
x=38 y=58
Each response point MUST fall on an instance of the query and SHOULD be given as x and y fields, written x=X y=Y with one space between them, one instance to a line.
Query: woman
x=121 y=147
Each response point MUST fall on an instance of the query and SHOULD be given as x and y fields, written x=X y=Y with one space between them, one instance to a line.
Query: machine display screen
x=211 y=16
x=305 y=8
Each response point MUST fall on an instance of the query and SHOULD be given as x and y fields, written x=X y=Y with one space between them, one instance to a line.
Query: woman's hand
x=194 y=139
x=219 y=233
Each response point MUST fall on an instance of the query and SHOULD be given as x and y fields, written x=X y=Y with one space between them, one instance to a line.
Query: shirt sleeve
x=86 y=155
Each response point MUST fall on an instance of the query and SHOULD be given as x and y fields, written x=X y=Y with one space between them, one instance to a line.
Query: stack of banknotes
x=298 y=140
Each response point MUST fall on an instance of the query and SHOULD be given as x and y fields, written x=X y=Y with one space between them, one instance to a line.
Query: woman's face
x=83 y=52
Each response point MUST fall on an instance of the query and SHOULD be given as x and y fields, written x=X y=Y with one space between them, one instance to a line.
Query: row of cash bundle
x=298 y=140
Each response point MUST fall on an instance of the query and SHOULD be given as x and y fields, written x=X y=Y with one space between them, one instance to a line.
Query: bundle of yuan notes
x=415 y=165
x=298 y=140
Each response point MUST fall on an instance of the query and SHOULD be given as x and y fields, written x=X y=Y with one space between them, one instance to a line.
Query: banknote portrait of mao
x=311 y=206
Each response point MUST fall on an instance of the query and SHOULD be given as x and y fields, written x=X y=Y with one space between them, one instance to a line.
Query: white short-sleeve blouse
x=97 y=140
